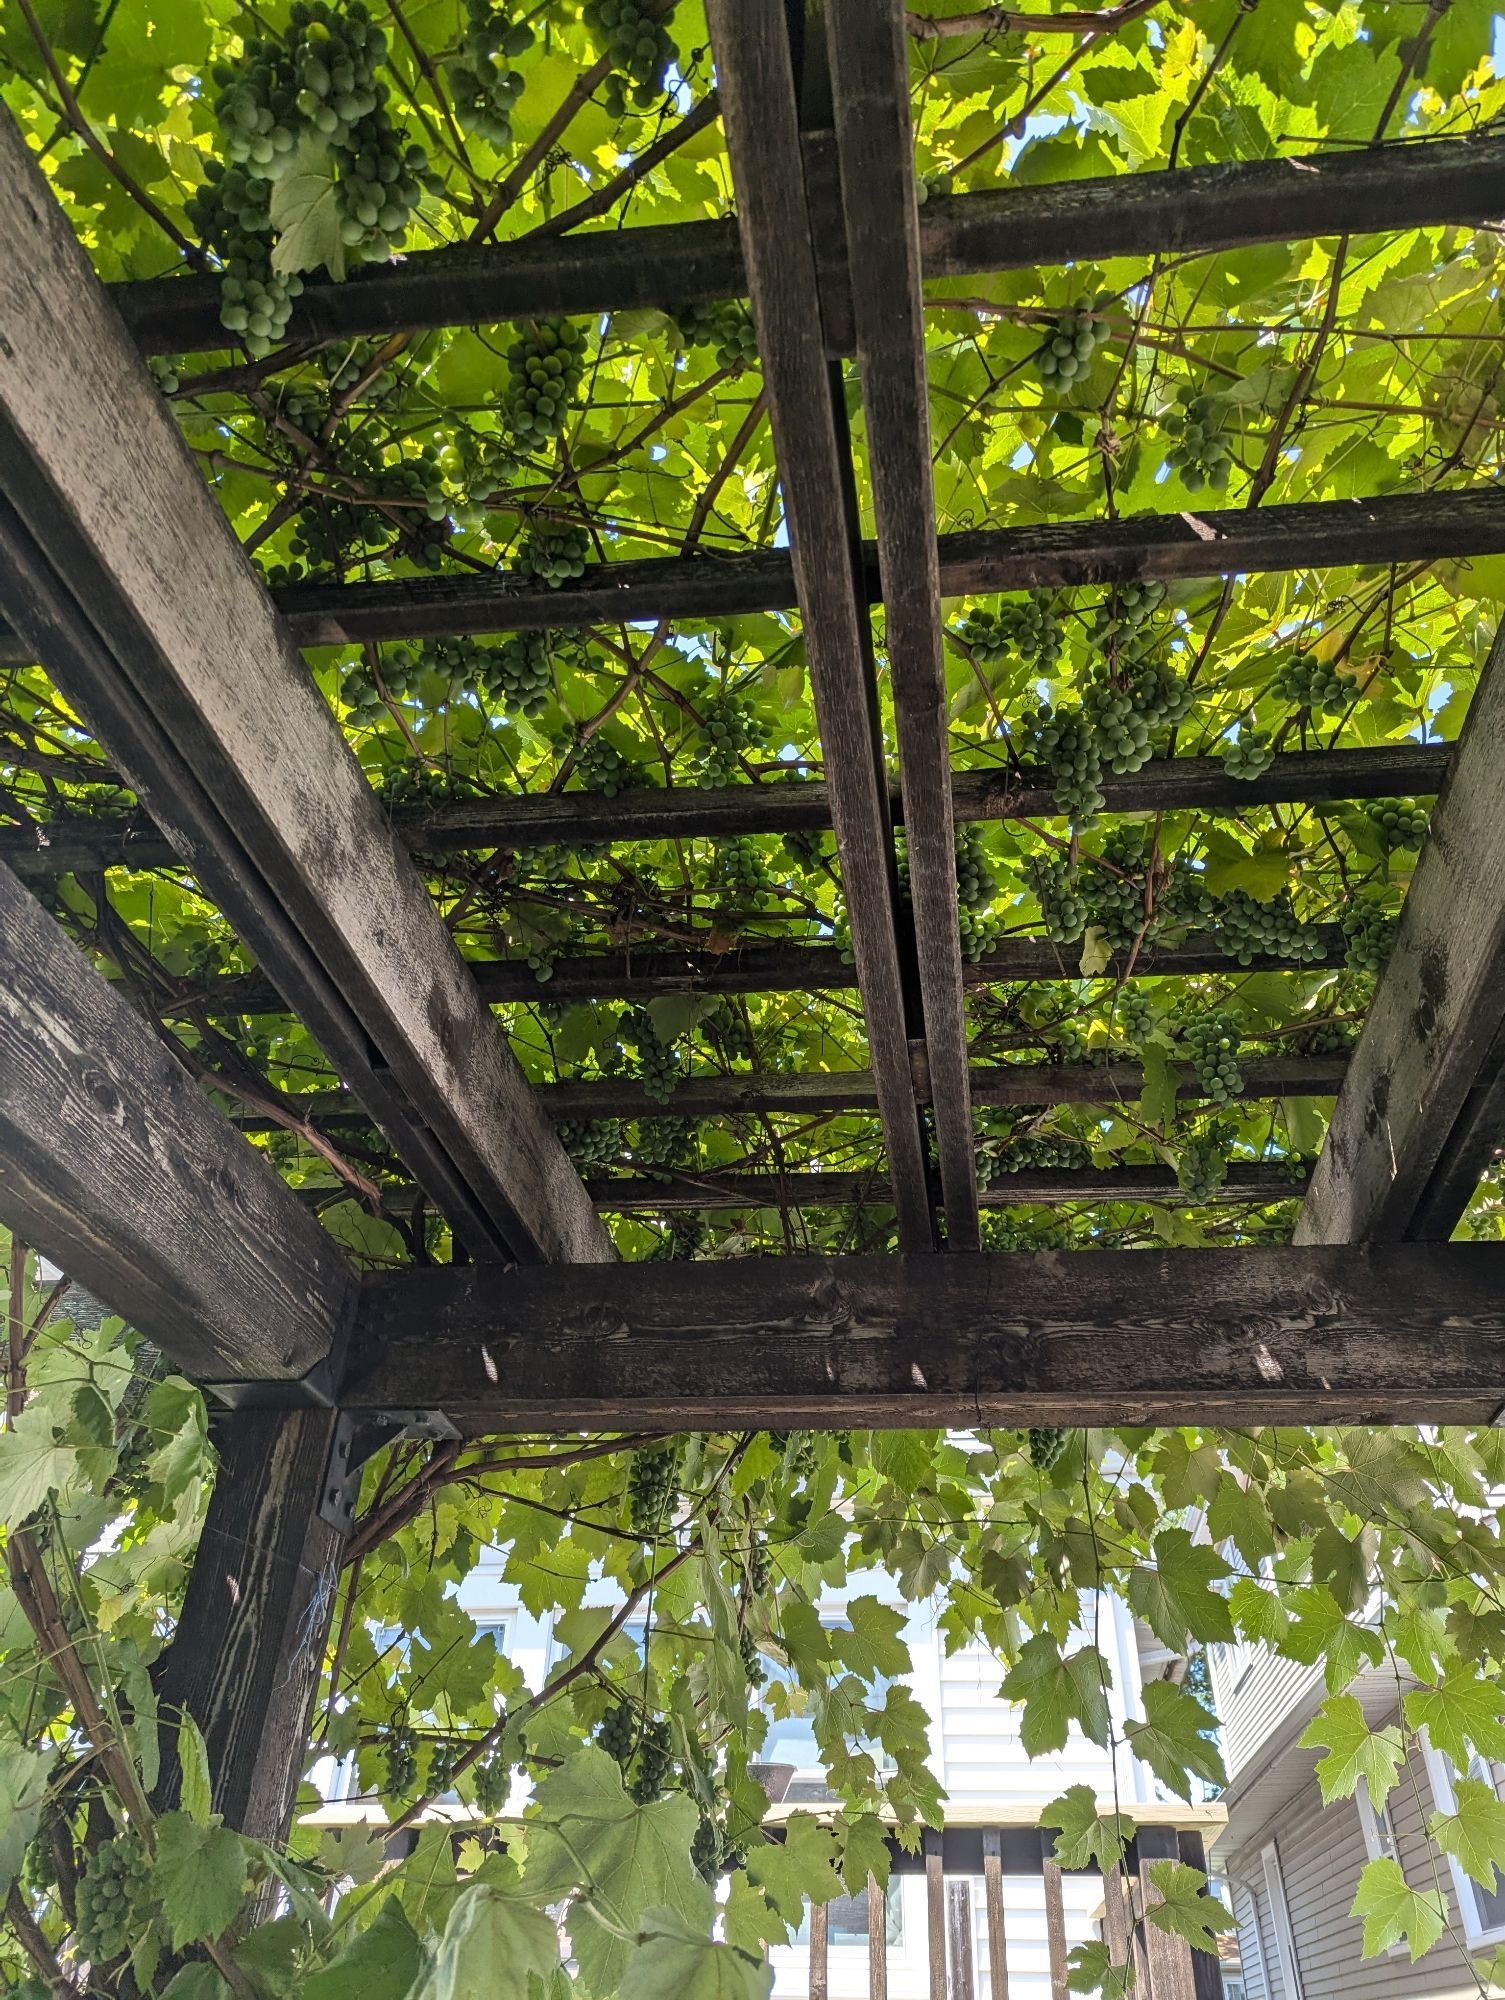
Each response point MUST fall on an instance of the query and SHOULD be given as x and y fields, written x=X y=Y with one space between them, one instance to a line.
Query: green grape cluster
x=640 y=46
x=165 y=374
x=740 y=867
x=653 y=1488
x=1202 y=1163
x=601 y=767
x=1328 y=1038
x=658 y=1062
x=1070 y=342
x=1184 y=900
x=1046 y=1444
x=1018 y=1231
x=1040 y=1153
x=483 y=86
x=492 y=1778
x=400 y=1757
x=687 y=1237
x=663 y=1144
x=1247 y=755
x=554 y=553
x=416 y=784
x=1294 y=1167
x=1027 y=627
x=113 y=1894
x=1247 y=927
x=731 y=730
x=1368 y=937
x=594 y=1144
x=728 y=1028
x=1121 y=625
x=545 y=361
x=441 y=1772
x=231 y=212
x=727 y=328
x=1062 y=906
x=1203 y=451
x=332 y=530
x=705 y=1851
x=759 y=1565
x=1307 y=682
x=1399 y=824
x=618 y=1733
x=929 y=186
x=752 y=1664
x=1115 y=894
x=1135 y=1012
x=654 y=1761
x=1064 y=740
x=976 y=887
x=519 y=673
x=1212 y=1041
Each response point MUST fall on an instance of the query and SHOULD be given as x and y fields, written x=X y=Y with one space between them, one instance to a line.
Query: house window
x=846 y=1919
x=1483 y=1908
x=1280 y=1915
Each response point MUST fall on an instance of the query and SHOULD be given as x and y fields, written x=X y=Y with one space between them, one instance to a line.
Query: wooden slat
x=1115 y=1917
x=992 y=1889
x=959 y=1941
x=249 y=1648
x=935 y=1912
x=1206 y=1967
x=685 y=812
x=113 y=1163
x=820 y=1952
x=1055 y=1920
x=1412 y=1334
x=755 y=78
x=1247 y=1181
x=1181 y=212
x=868 y=50
x=1168 y=1958
x=877 y=1940
x=1434 y=1031
x=120 y=568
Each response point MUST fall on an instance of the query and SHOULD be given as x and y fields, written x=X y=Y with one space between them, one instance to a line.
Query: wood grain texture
x=1410 y=1334
x=1247 y=1181
x=756 y=81
x=247 y=1656
x=877 y=1940
x=820 y=1951
x=867 y=46
x=1206 y=1967
x=120 y=567
x=1183 y=212
x=688 y=812
x=935 y=1911
x=992 y=1889
x=1168 y=1958
x=1437 y=1016
x=1055 y=1921
x=959 y=1941
x=113 y=1163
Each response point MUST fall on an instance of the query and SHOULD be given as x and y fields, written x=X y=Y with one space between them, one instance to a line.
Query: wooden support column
x=249 y=1649
x=753 y=66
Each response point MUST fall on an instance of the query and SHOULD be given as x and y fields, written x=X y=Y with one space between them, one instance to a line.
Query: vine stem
x=1000 y=20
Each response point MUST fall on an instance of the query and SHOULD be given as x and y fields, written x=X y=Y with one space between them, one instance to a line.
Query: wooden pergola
x=119 y=572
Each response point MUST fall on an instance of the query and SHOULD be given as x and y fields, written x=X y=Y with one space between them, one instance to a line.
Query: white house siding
x=1322 y=1853
x=1251 y=1943
x=1254 y=1692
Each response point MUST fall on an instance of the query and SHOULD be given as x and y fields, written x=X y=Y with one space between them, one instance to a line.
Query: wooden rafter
x=1414 y=1334
x=755 y=75
x=113 y=1162
x=1179 y=212
x=120 y=568
x=688 y=812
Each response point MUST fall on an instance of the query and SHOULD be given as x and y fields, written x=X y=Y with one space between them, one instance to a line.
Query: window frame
x=1441 y=1774
x=1280 y=1921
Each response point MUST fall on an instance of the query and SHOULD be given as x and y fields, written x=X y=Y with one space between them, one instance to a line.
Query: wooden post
x=992 y=1878
x=959 y=1938
x=1206 y=1969
x=1168 y=1959
x=935 y=1911
x=877 y=1940
x=1055 y=1917
x=249 y=1650
x=820 y=1958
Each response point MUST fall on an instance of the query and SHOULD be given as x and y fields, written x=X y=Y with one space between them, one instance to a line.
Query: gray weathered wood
x=992 y=1889
x=1414 y=1334
x=820 y=1952
x=959 y=1941
x=868 y=49
x=1433 y=1032
x=935 y=1911
x=1206 y=1967
x=756 y=81
x=687 y=812
x=1181 y=212
x=877 y=1940
x=1247 y=1181
x=1055 y=1920
x=113 y=1163
x=119 y=567
x=1168 y=1958
x=248 y=1653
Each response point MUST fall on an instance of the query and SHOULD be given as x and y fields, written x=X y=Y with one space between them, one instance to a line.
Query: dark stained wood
x=249 y=1648
x=867 y=46
x=1184 y=212
x=1055 y=1920
x=935 y=1911
x=877 y=1940
x=114 y=1164
x=820 y=1953
x=1206 y=1968
x=1437 y=1020
x=1247 y=1181
x=119 y=566
x=992 y=1889
x=756 y=82
x=1412 y=1334
x=1168 y=1958
x=571 y=819
x=959 y=1941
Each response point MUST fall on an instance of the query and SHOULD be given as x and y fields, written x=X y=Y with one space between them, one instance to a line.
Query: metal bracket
x=358 y=1435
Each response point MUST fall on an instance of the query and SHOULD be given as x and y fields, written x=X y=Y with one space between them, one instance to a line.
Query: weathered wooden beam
x=1424 y=1101
x=115 y=1165
x=248 y=1652
x=756 y=80
x=677 y=1192
x=867 y=47
x=1184 y=212
x=688 y=812
x=1410 y=1334
x=119 y=567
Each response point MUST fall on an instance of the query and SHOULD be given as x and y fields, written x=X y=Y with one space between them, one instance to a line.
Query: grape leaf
x=1089 y=1969
x=1173 y=1738
x=1356 y=1753
x=199 y=1877
x=379 y=1963
x=193 y=1763
x=492 y=1945
x=1175 y=1596
x=801 y=1865
x=1474 y=1832
x=1087 y=1838
x=1394 y=1912
x=32 y=1465
x=1464 y=1713
x=305 y=212
x=1055 y=1693
x=677 y=1958
x=1185 y=1909
x=23 y=1788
